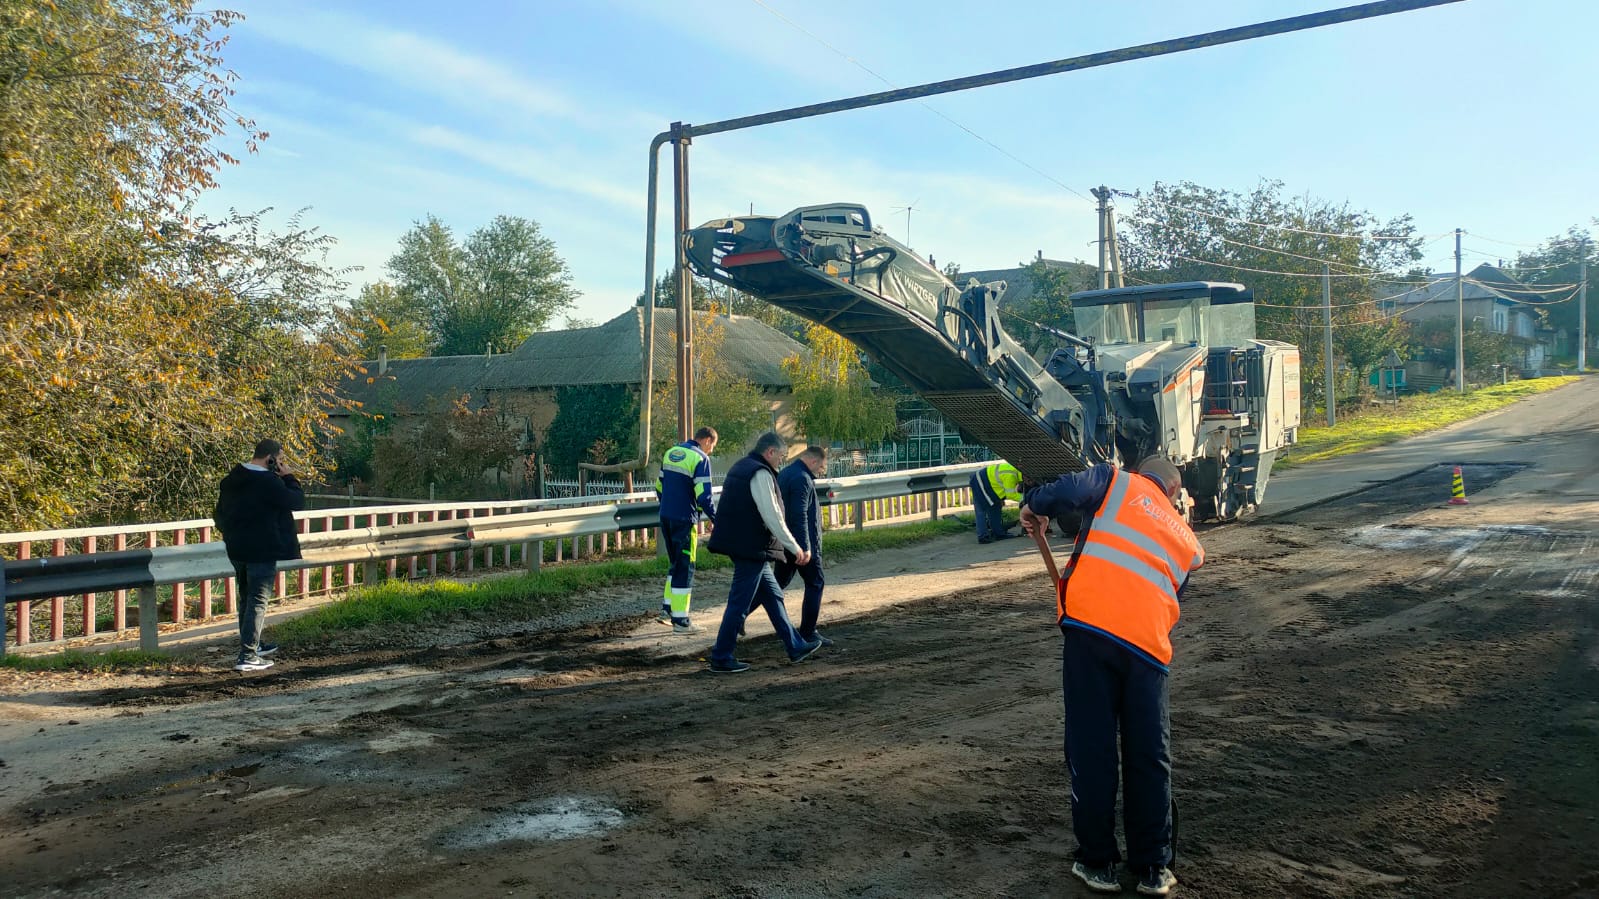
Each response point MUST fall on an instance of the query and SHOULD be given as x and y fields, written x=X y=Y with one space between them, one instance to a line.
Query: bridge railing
x=68 y=584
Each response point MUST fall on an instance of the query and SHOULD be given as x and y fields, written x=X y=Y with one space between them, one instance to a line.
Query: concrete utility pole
x=1460 y=321
x=1115 y=246
x=1102 y=193
x=1582 y=313
x=1326 y=308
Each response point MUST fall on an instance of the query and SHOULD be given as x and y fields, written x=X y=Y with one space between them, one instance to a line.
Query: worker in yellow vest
x=991 y=487
x=1116 y=602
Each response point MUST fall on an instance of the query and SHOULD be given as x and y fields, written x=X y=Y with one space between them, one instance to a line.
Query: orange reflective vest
x=1124 y=577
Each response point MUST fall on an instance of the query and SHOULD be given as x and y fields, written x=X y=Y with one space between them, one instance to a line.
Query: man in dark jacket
x=803 y=515
x=255 y=512
x=750 y=530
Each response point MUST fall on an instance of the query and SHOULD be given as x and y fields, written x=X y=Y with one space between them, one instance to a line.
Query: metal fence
x=70 y=584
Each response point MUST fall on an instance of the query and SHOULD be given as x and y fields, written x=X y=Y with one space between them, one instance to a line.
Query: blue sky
x=1476 y=115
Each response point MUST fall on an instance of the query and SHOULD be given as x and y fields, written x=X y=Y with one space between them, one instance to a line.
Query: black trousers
x=1110 y=690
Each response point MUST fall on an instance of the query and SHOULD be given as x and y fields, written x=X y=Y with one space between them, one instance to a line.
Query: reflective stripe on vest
x=1135 y=555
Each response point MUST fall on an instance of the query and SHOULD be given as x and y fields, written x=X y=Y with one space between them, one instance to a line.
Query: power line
x=924 y=104
x=1227 y=218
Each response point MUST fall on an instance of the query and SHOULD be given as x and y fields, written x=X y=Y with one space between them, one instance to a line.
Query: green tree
x=833 y=397
x=1557 y=261
x=1053 y=284
x=1276 y=245
x=379 y=318
x=591 y=414
x=505 y=282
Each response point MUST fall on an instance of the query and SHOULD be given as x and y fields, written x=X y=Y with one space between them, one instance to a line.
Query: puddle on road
x=560 y=818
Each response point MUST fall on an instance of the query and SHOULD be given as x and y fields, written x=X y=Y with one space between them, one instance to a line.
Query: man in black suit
x=803 y=515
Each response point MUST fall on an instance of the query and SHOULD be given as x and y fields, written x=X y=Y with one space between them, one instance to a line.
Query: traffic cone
x=1457 y=492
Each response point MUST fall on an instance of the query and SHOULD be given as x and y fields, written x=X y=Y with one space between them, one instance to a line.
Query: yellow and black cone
x=1457 y=492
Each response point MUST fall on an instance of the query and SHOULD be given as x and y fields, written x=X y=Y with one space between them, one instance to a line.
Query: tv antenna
x=907 y=209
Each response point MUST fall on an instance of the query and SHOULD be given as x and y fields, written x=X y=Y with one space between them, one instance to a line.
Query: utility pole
x=685 y=288
x=1582 y=313
x=1326 y=308
x=1115 y=246
x=1460 y=322
x=1103 y=195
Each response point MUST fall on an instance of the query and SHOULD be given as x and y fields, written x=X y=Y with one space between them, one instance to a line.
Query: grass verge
x=88 y=660
x=555 y=589
x=1410 y=416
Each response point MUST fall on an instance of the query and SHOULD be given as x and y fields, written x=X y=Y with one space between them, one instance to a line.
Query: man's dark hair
x=767 y=441
x=818 y=453
x=267 y=447
x=704 y=433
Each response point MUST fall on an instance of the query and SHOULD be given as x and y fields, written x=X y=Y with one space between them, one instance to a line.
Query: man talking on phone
x=255 y=512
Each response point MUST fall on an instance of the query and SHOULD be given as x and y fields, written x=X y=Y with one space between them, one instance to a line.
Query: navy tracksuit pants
x=1108 y=688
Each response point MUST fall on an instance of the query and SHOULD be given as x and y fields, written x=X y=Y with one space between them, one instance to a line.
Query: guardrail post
x=370 y=573
x=149 y=618
x=932 y=505
x=533 y=555
x=858 y=509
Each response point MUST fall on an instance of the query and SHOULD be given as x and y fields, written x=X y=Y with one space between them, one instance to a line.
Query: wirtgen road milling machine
x=1169 y=368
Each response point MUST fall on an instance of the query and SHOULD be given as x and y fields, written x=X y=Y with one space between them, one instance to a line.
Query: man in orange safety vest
x=1116 y=603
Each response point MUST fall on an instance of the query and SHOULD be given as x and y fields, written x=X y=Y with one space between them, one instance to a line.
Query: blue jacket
x=801 y=511
x=684 y=484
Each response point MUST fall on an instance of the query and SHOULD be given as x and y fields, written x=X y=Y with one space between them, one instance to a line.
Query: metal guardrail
x=143 y=570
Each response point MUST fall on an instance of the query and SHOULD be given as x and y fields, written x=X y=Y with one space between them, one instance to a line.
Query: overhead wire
x=1135 y=195
x=863 y=67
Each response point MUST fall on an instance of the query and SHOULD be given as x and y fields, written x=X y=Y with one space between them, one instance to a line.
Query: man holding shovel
x=1116 y=604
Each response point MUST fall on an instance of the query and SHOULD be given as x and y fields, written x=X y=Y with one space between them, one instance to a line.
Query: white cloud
x=529 y=164
x=466 y=80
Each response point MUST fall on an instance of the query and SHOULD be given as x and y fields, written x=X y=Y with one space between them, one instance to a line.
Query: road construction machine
x=1174 y=369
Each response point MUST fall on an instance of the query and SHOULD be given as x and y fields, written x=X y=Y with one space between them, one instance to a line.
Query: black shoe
x=267 y=649
x=985 y=539
x=817 y=636
x=1005 y=535
x=733 y=667
x=806 y=650
x=1157 y=881
x=1101 y=879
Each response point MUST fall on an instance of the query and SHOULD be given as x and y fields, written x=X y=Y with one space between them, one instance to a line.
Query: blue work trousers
x=811 y=574
x=753 y=585
x=990 y=520
x=1108 y=688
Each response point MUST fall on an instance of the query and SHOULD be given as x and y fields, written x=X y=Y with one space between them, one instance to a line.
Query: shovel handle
x=1049 y=556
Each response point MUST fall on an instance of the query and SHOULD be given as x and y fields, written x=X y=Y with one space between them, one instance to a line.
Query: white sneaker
x=253 y=663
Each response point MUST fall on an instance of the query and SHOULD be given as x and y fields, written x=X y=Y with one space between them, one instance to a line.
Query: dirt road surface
x=1374 y=695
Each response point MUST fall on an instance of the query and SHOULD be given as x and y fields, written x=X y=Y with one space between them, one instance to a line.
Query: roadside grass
x=554 y=589
x=1377 y=426
x=89 y=660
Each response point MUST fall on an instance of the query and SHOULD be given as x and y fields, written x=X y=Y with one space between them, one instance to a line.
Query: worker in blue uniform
x=684 y=487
